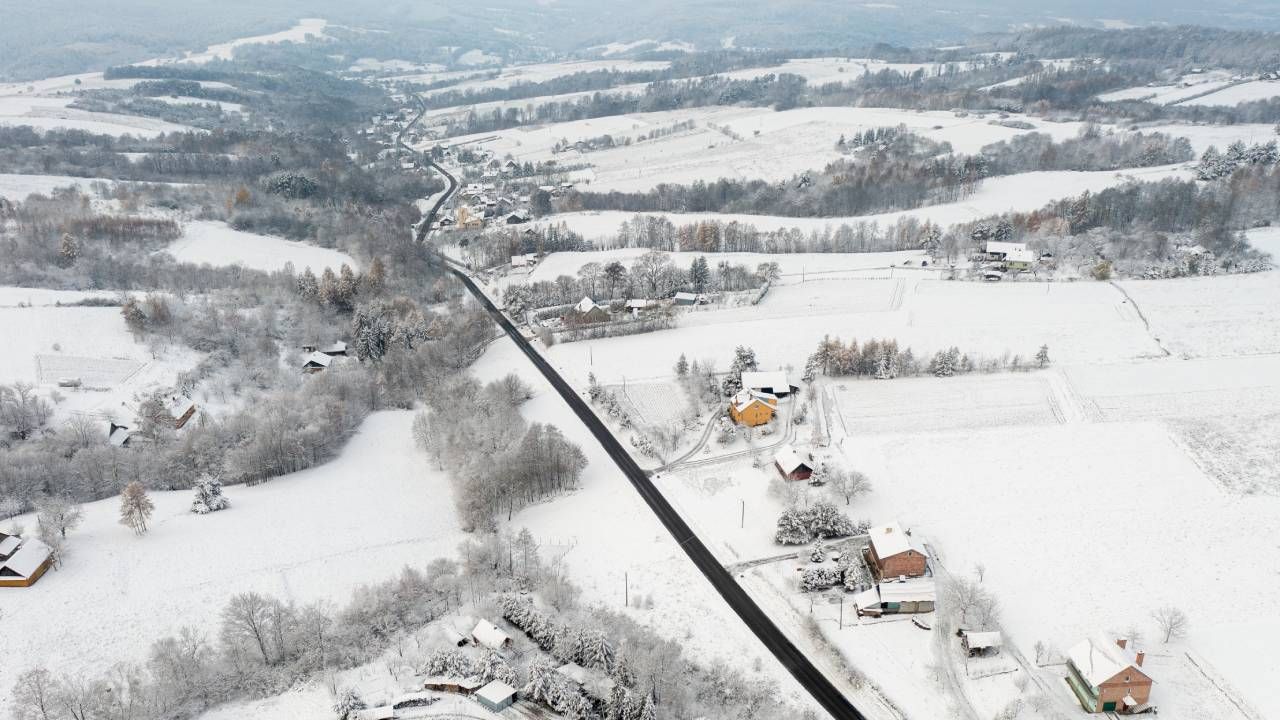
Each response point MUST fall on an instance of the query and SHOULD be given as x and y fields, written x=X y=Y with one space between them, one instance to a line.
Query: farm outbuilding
x=775 y=383
x=455 y=685
x=1107 y=676
x=898 y=597
x=791 y=465
x=496 y=696
x=587 y=312
x=981 y=643
x=894 y=553
x=22 y=561
x=181 y=408
x=315 y=362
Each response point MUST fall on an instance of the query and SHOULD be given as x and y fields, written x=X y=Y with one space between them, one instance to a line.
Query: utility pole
x=626 y=589
x=743 y=522
x=841 y=611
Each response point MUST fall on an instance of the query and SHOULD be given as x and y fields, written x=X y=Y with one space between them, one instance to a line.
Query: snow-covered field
x=313 y=535
x=48 y=113
x=313 y=27
x=732 y=142
x=1202 y=137
x=1188 y=86
x=1213 y=316
x=217 y=244
x=542 y=72
x=1236 y=94
x=825 y=70
x=794 y=266
x=1008 y=193
x=48 y=333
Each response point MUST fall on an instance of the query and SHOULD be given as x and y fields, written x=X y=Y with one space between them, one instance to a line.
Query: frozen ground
x=217 y=244
x=1202 y=137
x=47 y=113
x=1213 y=316
x=542 y=72
x=313 y=535
x=1236 y=94
x=1187 y=86
x=733 y=142
x=224 y=51
x=1017 y=193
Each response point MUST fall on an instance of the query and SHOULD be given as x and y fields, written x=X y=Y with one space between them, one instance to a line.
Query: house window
x=1126 y=678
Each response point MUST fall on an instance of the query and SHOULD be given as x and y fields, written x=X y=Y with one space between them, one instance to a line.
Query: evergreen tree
x=68 y=250
x=208 y=496
x=376 y=278
x=308 y=286
x=349 y=704
x=699 y=274
x=682 y=366
x=1042 y=356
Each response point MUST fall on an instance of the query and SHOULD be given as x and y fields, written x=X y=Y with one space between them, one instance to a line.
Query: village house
x=1009 y=256
x=897 y=597
x=685 y=299
x=181 y=408
x=775 y=383
x=315 y=362
x=490 y=636
x=496 y=696
x=587 y=312
x=336 y=349
x=791 y=465
x=893 y=553
x=1107 y=676
x=752 y=408
x=118 y=435
x=977 y=644
x=457 y=686
x=636 y=305
x=22 y=561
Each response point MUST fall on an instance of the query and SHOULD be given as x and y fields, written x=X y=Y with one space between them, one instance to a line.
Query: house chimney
x=1139 y=657
x=1122 y=642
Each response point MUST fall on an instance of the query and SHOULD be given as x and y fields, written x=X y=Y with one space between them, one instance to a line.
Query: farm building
x=1010 y=256
x=488 y=635
x=791 y=465
x=752 y=408
x=981 y=643
x=455 y=637
x=688 y=298
x=118 y=435
x=22 y=562
x=181 y=409
x=898 y=597
x=496 y=696
x=457 y=686
x=587 y=312
x=636 y=305
x=775 y=383
x=894 y=553
x=1106 y=676
x=315 y=362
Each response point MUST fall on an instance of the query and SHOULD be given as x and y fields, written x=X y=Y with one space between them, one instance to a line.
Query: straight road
x=800 y=667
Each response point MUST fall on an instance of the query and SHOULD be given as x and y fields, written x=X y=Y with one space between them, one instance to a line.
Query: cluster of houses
x=22 y=560
x=319 y=357
x=589 y=312
x=486 y=202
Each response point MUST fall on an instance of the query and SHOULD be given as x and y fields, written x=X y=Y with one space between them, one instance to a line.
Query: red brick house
x=894 y=553
x=1107 y=676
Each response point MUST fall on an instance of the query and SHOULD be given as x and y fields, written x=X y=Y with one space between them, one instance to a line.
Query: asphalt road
x=804 y=671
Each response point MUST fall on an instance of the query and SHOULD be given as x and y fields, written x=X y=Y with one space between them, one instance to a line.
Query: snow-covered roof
x=180 y=406
x=1099 y=658
x=867 y=599
x=774 y=381
x=744 y=399
x=1021 y=256
x=983 y=639
x=995 y=246
x=889 y=540
x=585 y=305
x=118 y=436
x=337 y=347
x=8 y=544
x=594 y=682
x=488 y=634
x=318 y=358
x=789 y=460
x=24 y=563
x=913 y=590
x=386 y=712
x=686 y=296
x=638 y=304
x=496 y=692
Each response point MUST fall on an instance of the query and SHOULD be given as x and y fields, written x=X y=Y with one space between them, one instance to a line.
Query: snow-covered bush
x=819 y=578
x=208 y=496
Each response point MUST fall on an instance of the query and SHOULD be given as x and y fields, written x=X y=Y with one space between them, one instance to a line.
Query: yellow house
x=752 y=408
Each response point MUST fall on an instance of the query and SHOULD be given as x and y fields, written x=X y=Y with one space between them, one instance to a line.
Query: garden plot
x=43 y=340
x=654 y=403
x=1241 y=93
x=1213 y=316
x=215 y=243
x=381 y=503
x=1073 y=507
x=1023 y=192
x=921 y=405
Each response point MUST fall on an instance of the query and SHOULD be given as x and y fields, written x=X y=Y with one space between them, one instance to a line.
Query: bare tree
x=980 y=570
x=1171 y=621
x=849 y=484
x=33 y=696
x=58 y=513
x=245 y=620
x=135 y=507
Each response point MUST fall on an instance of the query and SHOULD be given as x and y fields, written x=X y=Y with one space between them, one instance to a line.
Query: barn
x=894 y=553
x=791 y=465
x=181 y=409
x=775 y=383
x=315 y=362
x=22 y=562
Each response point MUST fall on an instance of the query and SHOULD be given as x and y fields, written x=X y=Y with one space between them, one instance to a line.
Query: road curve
x=804 y=671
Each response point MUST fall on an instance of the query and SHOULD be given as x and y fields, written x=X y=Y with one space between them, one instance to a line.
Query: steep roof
x=984 y=639
x=789 y=460
x=488 y=634
x=8 y=544
x=1098 y=659
x=889 y=540
x=180 y=406
x=772 y=381
x=745 y=399
x=118 y=436
x=585 y=305
x=318 y=358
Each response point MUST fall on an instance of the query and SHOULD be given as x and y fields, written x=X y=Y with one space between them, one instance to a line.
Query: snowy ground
x=1202 y=137
x=1236 y=94
x=1188 y=86
x=542 y=72
x=217 y=244
x=1213 y=316
x=1017 y=193
x=48 y=113
x=733 y=142
x=313 y=27
x=313 y=535
x=793 y=266
x=826 y=70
